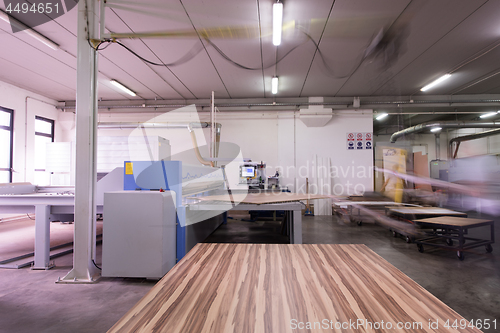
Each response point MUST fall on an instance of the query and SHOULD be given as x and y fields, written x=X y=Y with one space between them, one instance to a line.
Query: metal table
x=293 y=215
x=47 y=207
x=446 y=230
x=412 y=213
x=354 y=208
x=408 y=214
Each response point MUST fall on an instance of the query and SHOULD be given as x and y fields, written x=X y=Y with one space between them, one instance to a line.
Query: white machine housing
x=139 y=234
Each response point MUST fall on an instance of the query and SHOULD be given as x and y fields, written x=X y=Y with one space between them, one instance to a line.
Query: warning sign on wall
x=368 y=140
x=350 y=140
x=359 y=140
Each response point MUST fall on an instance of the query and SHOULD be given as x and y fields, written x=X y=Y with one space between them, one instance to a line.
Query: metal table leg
x=296 y=236
x=42 y=237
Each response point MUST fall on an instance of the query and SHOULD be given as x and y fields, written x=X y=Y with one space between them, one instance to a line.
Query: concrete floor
x=31 y=301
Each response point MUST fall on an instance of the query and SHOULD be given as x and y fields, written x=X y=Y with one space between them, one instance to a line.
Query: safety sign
x=359 y=140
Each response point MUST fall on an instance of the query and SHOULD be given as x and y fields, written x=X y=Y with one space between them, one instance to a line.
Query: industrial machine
x=439 y=169
x=273 y=182
x=253 y=174
x=151 y=222
x=139 y=236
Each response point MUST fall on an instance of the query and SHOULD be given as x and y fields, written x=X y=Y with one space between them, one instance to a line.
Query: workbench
x=444 y=231
x=292 y=219
x=413 y=213
x=408 y=214
x=354 y=209
x=47 y=207
x=49 y=203
x=283 y=287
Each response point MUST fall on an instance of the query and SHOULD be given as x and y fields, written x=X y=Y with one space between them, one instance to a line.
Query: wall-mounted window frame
x=9 y=128
x=40 y=177
x=51 y=122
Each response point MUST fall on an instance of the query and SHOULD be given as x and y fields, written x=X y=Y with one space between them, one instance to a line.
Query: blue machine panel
x=156 y=175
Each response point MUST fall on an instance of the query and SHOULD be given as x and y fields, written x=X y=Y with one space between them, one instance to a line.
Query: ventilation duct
x=444 y=124
x=316 y=115
x=475 y=136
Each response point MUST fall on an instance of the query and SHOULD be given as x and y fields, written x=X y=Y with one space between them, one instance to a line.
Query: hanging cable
x=198 y=47
x=251 y=68
x=96 y=265
x=323 y=60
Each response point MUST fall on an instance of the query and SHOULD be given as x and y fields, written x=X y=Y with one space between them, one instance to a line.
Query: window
x=6 y=146
x=44 y=132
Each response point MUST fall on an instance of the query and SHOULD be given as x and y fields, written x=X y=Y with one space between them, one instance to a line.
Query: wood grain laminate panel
x=426 y=211
x=279 y=287
x=264 y=198
x=453 y=221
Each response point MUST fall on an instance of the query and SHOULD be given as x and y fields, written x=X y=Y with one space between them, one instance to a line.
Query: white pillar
x=84 y=270
x=42 y=237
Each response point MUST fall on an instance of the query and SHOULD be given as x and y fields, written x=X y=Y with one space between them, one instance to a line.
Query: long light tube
x=487 y=115
x=381 y=116
x=435 y=82
x=277 y=22
x=35 y=34
x=274 y=85
x=436 y=129
x=122 y=87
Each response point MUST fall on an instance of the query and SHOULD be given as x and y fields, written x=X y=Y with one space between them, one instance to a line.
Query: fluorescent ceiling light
x=122 y=87
x=277 y=22
x=487 y=115
x=436 y=82
x=274 y=85
x=436 y=129
x=381 y=116
x=21 y=26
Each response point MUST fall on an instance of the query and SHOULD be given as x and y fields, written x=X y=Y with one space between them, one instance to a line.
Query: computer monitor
x=247 y=171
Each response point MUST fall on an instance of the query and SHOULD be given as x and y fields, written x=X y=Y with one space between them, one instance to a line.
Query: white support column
x=42 y=237
x=84 y=270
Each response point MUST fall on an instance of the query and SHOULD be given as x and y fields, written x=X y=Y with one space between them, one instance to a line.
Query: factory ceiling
x=330 y=48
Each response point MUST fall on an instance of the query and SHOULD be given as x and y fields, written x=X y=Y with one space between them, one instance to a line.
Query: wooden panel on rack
x=263 y=198
x=413 y=213
x=272 y=287
x=421 y=169
x=452 y=221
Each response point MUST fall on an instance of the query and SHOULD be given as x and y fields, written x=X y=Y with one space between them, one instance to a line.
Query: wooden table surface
x=452 y=221
x=283 y=287
x=425 y=211
x=263 y=198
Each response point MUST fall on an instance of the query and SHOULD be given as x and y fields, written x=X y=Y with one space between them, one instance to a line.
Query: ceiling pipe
x=341 y=103
x=438 y=146
x=474 y=136
x=127 y=125
x=443 y=124
x=196 y=148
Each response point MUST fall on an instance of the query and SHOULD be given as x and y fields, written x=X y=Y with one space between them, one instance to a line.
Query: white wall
x=352 y=170
x=484 y=146
x=180 y=139
x=282 y=141
x=26 y=106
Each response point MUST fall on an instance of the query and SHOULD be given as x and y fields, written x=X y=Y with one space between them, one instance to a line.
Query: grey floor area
x=31 y=301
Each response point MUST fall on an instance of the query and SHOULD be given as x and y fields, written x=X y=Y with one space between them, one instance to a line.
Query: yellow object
x=128 y=168
x=394 y=160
